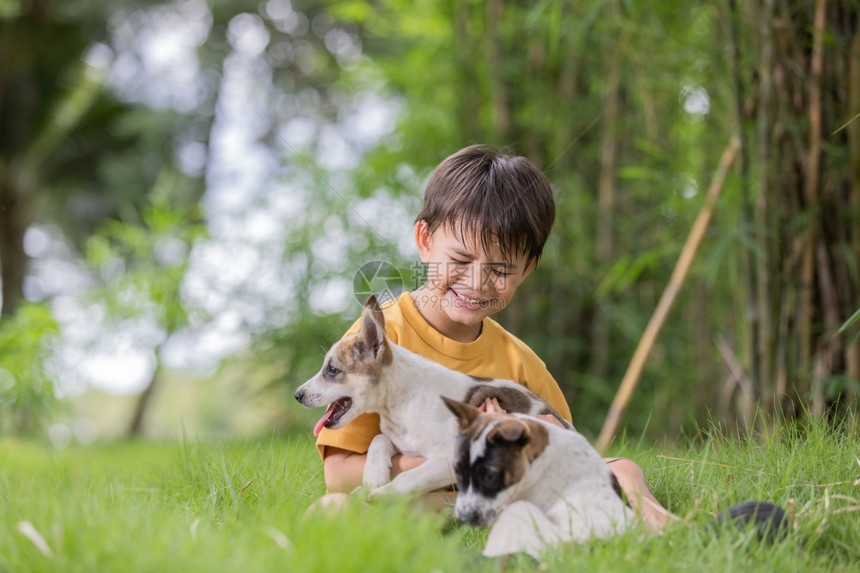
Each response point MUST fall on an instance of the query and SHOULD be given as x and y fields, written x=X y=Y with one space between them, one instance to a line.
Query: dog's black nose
x=472 y=518
x=299 y=395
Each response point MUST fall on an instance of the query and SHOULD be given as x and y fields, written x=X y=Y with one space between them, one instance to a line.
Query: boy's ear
x=530 y=266
x=422 y=239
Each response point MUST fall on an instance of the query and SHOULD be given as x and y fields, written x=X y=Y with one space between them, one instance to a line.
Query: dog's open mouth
x=333 y=414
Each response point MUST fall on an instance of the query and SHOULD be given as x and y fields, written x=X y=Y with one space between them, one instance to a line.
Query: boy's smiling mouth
x=470 y=303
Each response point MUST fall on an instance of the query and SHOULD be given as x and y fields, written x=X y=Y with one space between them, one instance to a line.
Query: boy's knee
x=627 y=472
x=330 y=504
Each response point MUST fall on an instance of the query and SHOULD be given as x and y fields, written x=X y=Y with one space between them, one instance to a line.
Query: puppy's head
x=492 y=455
x=351 y=368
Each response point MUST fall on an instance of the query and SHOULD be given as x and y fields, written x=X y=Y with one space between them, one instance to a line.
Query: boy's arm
x=344 y=470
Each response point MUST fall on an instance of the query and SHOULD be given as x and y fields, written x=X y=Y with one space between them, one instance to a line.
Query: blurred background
x=189 y=192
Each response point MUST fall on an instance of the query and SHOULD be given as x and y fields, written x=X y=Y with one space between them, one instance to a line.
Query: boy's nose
x=475 y=277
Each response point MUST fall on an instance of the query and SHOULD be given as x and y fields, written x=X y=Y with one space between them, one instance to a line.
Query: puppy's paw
x=384 y=490
x=361 y=492
x=377 y=468
x=376 y=474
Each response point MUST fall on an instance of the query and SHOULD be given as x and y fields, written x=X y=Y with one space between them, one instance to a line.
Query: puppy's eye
x=492 y=479
x=330 y=370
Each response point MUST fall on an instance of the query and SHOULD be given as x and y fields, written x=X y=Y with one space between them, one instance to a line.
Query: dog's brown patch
x=367 y=351
x=355 y=356
x=512 y=445
x=530 y=436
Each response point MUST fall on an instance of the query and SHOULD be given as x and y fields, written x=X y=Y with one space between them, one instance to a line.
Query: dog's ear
x=372 y=326
x=465 y=413
x=372 y=309
x=510 y=431
x=372 y=303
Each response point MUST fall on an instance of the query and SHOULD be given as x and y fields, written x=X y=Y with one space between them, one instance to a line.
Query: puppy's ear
x=372 y=308
x=371 y=303
x=372 y=327
x=465 y=413
x=510 y=431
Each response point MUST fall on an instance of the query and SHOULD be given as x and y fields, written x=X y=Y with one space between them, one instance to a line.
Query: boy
x=485 y=219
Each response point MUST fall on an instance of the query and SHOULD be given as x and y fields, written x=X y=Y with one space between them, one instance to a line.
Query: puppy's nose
x=472 y=518
x=299 y=395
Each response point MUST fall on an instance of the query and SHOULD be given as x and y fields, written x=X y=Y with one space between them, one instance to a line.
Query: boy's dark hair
x=485 y=194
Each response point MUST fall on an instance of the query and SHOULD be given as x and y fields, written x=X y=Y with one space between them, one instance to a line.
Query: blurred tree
x=141 y=269
x=88 y=128
x=62 y=131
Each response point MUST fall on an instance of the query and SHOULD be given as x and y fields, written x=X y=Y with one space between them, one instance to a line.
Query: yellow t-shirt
x=495 y=354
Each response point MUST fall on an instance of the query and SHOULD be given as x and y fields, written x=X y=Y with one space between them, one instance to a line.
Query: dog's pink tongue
x=322 y=421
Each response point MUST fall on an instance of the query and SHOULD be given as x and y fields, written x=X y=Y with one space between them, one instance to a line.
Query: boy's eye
x=500 y=272
x=459 y=262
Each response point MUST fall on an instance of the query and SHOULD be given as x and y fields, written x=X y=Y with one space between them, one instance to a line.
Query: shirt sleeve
x=355 y=436
x=548 y=389
x=539 y=380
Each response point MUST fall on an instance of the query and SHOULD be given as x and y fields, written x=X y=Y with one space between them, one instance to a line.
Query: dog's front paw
x=361 y=492
x=377 y=468
x=376 y=475
x=384 y=490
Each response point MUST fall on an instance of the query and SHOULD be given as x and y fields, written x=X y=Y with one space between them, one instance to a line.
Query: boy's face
x=466 y=282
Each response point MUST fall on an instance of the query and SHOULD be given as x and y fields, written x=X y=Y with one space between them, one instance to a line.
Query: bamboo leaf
x=854 y=318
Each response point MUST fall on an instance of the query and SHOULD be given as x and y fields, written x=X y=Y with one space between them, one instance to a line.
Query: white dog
x=365 y=373
x=537 y=484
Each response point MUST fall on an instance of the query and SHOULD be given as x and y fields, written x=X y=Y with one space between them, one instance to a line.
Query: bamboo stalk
x=767 y=295
x=754 y=316
x=813 y=168
x=679 y=274
x=605 y=231
x=852 y=351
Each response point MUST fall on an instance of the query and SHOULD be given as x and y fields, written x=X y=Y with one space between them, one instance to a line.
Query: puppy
x=365 y=373
x=537 y=484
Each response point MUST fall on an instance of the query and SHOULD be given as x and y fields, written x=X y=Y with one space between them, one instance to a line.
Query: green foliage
x=241 y=506
x=26 y=383
x=141 y=266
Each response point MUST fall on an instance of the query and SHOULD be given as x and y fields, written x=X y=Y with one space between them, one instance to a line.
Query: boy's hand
x=551 y=419
x=491 y=406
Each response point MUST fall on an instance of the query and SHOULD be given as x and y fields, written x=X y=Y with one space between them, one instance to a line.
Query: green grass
x=190 y=506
